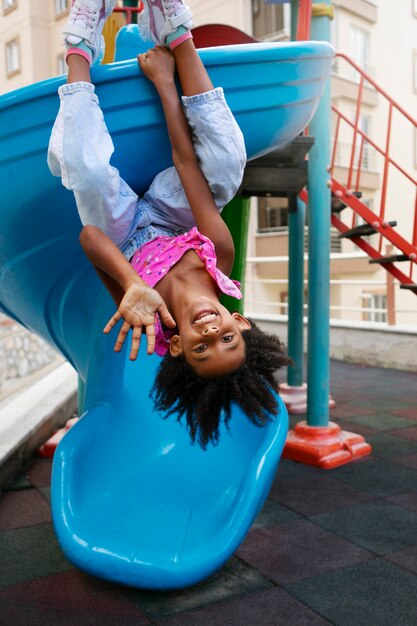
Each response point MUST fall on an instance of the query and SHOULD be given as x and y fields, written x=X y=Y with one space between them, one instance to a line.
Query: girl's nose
x=211 y=330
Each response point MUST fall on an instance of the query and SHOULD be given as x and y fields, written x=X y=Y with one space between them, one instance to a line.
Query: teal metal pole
x=318 y=362
x=296 y=221
x=134 y=4
x=294 y=18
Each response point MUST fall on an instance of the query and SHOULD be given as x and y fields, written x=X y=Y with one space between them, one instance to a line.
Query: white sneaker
x=85 y=23
x=161 y=18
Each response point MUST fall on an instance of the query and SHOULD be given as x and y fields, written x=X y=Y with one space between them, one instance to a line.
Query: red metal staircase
x=347 y=193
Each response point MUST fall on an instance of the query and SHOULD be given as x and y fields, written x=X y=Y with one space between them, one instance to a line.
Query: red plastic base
x=48 y=448
x=324 y=446
x=295 y=398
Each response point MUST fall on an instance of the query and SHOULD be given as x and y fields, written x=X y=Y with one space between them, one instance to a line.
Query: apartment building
x=361 y=29
x=30 y=40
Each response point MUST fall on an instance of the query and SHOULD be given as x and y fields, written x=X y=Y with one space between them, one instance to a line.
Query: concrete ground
x=330 y=547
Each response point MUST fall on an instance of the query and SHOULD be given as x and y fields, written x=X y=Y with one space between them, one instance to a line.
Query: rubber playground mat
x=329 y=547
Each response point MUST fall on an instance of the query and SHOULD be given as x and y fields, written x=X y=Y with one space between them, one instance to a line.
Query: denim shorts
x=79 y=152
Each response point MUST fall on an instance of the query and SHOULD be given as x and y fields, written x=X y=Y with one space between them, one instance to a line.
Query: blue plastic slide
x=133 y=501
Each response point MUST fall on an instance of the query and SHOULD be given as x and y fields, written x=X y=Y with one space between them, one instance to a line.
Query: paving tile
x=68 y=599
x=378 y=476
x=406 y=433
x=383 y=402
x=405 y=558
x=344 y=410
x=381 y=527
x=38 y=472
x=26 y=508
x=406 y=500
x=385 y=445
x=291 y=469
x=274 y=607
x=316 y=494
x=234 y=579
x=46 y=493
x=272 y=514
x=358 y=429
x=30 y=553
x=298 y=550
x=294 y=419
x=369 y=594
x=18 y=483
x=409 y=413
x=407 y=460
x=381 y=421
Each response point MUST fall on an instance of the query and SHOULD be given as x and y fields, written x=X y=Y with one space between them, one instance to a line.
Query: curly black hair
x=178 y=389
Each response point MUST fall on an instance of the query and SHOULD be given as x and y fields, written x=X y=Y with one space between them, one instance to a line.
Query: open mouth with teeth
x=204 y=317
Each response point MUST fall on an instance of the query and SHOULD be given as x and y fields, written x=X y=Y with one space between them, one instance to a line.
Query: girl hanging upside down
x=166 y=257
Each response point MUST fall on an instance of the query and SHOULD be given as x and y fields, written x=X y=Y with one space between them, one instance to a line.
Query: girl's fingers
x=136 y=336
x=112 y=322
x=150 y=335
x=166 y=316
x=121 y=336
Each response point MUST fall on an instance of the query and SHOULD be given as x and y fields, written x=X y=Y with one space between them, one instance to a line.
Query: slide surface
x=133 y=501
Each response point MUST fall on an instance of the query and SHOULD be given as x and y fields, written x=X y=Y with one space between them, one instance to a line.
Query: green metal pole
x=296 y=221
x=81 y=393
x=132 y=3
x=318 y=362
x=236 y=216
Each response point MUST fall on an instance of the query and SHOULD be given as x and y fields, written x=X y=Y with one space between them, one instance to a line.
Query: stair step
x=362 y=231
x=411 y=286
x=390 y=259
x=337 y=205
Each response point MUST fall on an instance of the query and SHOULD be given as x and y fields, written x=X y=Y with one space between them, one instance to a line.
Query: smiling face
x=210 y=338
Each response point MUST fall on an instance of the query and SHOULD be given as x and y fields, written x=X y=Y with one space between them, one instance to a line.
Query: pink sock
x=81 y=51
x=181 y=34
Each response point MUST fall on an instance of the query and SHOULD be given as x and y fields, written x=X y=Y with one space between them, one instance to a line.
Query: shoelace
x=84 y=14
x=173 y=5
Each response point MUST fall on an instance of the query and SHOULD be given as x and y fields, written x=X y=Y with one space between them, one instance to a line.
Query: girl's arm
x=137 y=302
x=159 y=66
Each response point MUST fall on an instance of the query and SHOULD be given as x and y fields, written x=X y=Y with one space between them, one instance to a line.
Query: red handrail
x=355 y=168
x=304 y=20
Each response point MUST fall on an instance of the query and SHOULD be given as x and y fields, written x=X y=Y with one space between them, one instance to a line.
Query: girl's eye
x=200 y=348
x=228 y=338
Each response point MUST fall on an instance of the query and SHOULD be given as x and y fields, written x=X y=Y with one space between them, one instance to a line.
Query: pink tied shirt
x=154 y=260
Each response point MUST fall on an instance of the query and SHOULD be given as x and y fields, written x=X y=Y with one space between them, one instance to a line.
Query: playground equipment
x=133 y=501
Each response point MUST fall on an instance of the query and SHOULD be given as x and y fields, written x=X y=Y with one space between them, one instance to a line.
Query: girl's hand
x=158 y=64
x=138 y=308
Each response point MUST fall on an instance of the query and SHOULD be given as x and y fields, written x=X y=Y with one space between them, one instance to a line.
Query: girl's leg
x=190 y=69
x=80 y=147
x=78 y=69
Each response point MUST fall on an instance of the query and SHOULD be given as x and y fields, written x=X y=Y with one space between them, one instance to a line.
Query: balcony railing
x=359 y=307
x=343 y=154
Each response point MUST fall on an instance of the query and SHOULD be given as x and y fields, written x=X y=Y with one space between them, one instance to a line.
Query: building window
x=272 y=214
x=8 y=5
x=61 y=65
x=270 y=20
x=360 y=48
x=376 y=305
x=60 y=6
x=415 y=70
x=365 y=127
x=415 y=147
x=12 y=57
